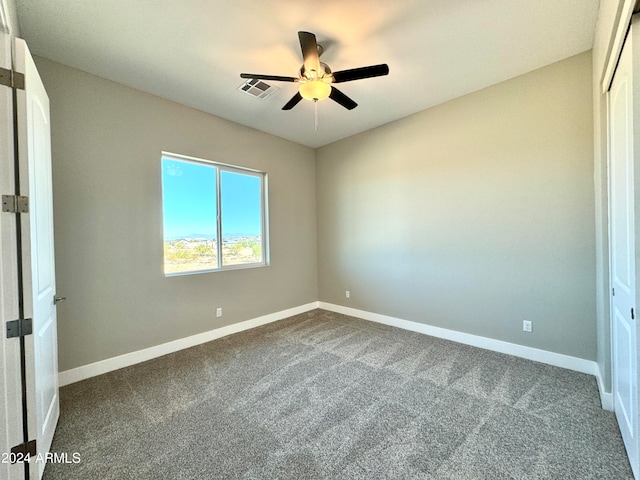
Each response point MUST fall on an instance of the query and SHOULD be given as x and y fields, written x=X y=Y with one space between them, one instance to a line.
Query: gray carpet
x=323 y=395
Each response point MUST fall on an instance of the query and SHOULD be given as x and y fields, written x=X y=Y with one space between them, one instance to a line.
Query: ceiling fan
x=316 y=79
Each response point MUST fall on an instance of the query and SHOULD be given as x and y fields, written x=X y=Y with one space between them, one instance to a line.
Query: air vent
x=257 y=88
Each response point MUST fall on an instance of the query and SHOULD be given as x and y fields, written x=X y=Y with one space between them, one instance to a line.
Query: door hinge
x=22 y=450
x=15 y=204
x=633 y=314
x=613 y=292
x=11 y=78
x=19 y=328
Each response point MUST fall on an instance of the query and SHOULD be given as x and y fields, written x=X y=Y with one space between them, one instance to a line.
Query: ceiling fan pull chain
x=316 y=114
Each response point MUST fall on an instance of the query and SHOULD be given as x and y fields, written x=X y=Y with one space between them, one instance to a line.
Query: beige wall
x=472 y=215
x=106 y=142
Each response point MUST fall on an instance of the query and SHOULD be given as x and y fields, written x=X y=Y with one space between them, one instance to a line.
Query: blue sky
x=189 y=200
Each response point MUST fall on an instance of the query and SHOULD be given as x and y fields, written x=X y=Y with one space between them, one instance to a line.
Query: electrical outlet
x=347 y=294
x=527 y=326
x=218 y=312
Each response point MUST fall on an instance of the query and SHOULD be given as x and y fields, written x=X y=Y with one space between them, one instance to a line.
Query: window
x=214 y=216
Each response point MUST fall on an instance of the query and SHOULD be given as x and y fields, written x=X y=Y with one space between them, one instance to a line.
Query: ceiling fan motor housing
x=324 y=73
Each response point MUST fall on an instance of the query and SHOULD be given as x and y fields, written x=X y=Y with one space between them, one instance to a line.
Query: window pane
x=189 y=205
x=241 y=201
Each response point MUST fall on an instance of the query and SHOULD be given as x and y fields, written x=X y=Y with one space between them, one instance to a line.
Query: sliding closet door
x=624 y=156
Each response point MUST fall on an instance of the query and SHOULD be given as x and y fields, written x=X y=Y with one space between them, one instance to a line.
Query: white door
x=38 y=273
x=11 y=433
x=623 y=101
x=34 y=139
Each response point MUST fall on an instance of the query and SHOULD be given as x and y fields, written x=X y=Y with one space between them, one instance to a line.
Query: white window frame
x=226 y=167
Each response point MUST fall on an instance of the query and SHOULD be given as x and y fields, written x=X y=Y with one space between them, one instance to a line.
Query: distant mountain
x=207 y=236
x=211 y=236
x=240 y=235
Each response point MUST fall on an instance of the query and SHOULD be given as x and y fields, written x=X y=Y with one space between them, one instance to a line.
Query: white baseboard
x=543 y=356
x=559 y=360
x=606 y=398
x=98 y=368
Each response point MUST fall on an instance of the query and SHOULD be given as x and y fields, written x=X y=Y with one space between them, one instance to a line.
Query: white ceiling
x=192 y=51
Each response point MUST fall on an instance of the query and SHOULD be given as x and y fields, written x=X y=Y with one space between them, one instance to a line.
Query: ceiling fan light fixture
x=315 y=90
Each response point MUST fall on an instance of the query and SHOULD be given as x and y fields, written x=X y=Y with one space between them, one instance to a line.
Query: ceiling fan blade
x=339 y=97
x=362 y=72
x=268 y=77
x=293 y=102
x=310 y=55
